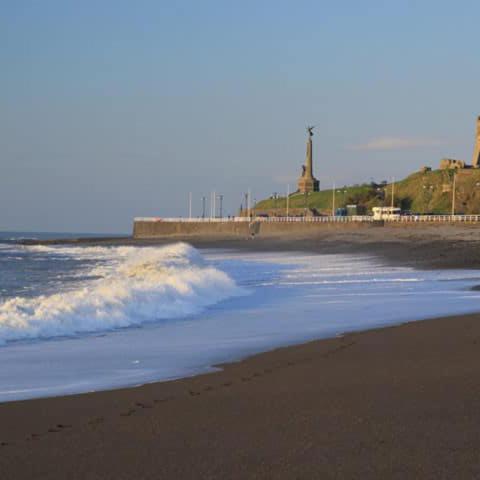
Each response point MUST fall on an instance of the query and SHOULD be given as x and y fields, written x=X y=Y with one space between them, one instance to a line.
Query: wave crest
x=136 y=286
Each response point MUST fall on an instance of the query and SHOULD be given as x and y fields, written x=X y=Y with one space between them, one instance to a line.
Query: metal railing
x=195 y=220
x=437 y=218
x=326 y=219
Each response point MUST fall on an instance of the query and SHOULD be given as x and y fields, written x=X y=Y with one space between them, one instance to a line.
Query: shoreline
x=214 y=368
x=419 y=246
x=300 y=403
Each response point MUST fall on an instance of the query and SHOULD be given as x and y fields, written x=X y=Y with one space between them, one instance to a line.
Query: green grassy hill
x=421 y=192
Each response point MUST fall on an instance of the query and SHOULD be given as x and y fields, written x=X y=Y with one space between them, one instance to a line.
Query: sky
x=113 y=109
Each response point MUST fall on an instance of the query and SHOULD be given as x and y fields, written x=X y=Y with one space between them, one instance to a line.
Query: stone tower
x=476 y=150
x=307 y=182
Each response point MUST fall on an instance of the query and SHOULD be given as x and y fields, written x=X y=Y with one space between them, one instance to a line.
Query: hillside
x=421 y=192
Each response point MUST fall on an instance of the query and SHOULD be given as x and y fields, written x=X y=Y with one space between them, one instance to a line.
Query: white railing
x=437 y=218
x=326 y=219
x=194 y=220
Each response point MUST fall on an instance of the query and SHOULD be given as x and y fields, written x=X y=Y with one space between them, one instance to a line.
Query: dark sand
x=399 y=402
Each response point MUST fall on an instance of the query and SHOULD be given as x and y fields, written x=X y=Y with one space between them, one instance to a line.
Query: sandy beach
x=397 y=402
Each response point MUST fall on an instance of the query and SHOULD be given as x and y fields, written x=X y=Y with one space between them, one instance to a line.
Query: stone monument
x=307 y=182
x=476 y=150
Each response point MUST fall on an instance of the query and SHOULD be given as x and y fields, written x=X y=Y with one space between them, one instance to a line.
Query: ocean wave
x=137 y=286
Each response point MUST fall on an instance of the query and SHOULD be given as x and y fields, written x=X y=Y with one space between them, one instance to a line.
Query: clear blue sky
x=115 y=109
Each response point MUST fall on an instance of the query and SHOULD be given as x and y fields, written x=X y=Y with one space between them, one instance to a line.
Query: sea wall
x=149 y=229
x=157 y=229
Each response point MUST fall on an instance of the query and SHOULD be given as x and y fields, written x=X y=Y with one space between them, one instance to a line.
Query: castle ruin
x=476 y=150
x=452 y=163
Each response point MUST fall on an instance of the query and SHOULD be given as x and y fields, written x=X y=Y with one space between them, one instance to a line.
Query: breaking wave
x=132 y=286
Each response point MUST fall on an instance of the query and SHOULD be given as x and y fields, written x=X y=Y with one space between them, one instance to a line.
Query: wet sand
x=398 y=402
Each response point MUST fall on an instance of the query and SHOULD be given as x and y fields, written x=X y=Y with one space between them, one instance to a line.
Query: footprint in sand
x=162 y=400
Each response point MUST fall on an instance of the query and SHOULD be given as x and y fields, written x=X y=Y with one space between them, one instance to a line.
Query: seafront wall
x=155 y=229
x=146 y=229
x=152 y=227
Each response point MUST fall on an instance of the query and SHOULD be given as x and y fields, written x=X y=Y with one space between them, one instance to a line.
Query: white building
x=386 y=213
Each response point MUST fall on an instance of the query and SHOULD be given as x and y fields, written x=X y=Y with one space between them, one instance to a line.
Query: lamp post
x=220 y=197
x=393 y=191
x=333 y=200
x=453 y=192
x=204 y=204
x=288 y=197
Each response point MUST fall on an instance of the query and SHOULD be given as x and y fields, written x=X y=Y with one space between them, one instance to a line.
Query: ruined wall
x=476 y=149
x=451 y=163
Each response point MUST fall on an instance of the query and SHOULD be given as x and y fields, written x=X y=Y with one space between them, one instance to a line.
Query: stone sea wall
x=149 y=229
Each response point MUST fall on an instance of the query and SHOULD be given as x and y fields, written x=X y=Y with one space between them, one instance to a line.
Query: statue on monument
x=307 y=182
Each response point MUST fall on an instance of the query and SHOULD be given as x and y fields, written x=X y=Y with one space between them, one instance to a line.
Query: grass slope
x=422 y=192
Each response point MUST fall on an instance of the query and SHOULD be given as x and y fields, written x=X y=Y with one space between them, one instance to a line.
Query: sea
x=79 y=318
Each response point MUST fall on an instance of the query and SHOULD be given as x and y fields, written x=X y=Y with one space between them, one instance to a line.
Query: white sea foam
x=293 y=297
x=136 y=286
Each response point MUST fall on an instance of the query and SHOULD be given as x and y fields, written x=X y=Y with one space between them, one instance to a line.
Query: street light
x=288 y=198
x=453 y=193
x=275 y=196
x=333 y=200
x=393 y=192
x=220 y=197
